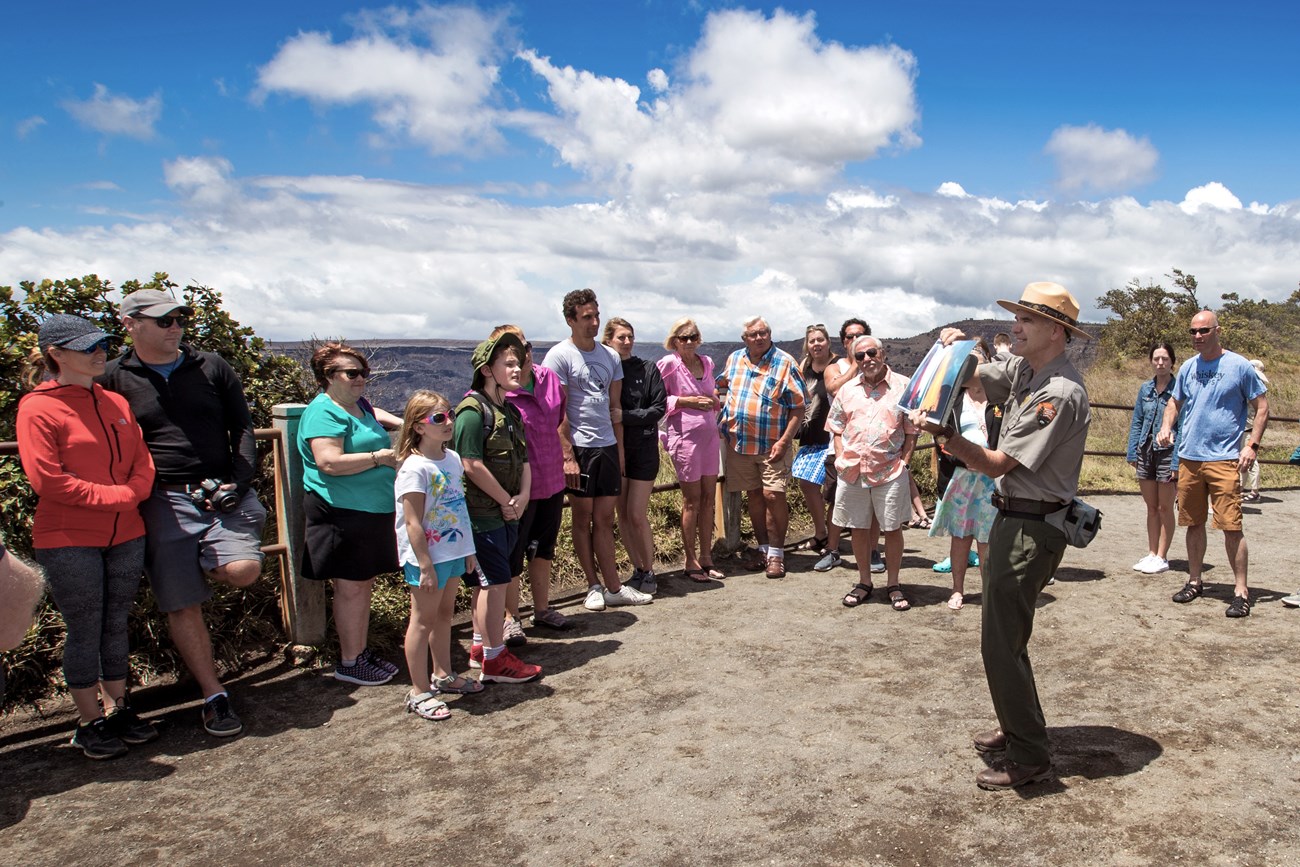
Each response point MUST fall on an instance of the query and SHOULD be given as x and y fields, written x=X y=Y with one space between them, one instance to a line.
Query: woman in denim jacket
x=1157 y=468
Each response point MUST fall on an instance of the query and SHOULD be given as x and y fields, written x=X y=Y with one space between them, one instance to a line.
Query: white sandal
x=427 y=705
x=955 y=601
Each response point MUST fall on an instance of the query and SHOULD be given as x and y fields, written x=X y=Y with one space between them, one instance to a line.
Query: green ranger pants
x=1023 y=554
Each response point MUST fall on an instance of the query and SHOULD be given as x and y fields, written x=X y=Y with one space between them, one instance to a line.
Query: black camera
x=210 y=492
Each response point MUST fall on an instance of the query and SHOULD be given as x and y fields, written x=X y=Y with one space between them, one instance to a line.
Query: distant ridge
x=405 y=365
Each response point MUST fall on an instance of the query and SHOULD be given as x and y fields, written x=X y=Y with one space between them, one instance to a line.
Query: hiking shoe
x=508 y=668
x=595 y=600
x=369 y=656
x=627 y=596
x=476 y=656
x=649 y=584
x=1292 y=601
x=877 y=562
x=363 y=672
x=126 y=725
x=829 y=561
x=97 y=740
x=943 y=567
x=552 y=619
x=515 y=634
x=219 y=719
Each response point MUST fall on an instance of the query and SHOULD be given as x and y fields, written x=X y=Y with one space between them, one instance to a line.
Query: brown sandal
x=856 y=596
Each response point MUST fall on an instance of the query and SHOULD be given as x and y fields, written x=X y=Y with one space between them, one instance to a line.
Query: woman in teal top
x=348 y=471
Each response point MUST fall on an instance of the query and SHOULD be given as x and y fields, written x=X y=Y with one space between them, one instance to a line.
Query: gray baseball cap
x=69 y=332
x=152 y=303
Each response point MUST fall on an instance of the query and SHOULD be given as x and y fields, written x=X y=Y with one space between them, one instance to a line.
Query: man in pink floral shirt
x=873 y=441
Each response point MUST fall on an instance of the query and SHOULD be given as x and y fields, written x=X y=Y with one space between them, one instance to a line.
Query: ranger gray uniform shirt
x=1044 y=426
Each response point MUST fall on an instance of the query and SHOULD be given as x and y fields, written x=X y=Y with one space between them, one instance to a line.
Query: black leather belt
x=181 y=489
x=1019 y=507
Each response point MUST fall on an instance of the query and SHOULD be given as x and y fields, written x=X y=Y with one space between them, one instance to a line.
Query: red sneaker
x=508 y=668
x=476 y=656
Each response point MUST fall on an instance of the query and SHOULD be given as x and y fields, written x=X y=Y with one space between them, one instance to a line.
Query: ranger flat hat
x=1052 y=301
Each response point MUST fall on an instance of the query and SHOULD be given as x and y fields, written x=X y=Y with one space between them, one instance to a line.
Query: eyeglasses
x=1205 y=330
x=865 y=354
x=100 y=346
x=440 y=417
x=759 y=333
x=689 y=338
x=353 y=373
x=168 y=320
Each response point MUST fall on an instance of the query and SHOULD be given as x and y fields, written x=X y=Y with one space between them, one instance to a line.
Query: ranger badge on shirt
x=1044 y=413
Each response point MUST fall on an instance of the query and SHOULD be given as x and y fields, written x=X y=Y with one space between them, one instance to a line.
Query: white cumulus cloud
x=759 y=105
x=428 y=74
x=114 y=114
x=1213 y=195
x=1089 y=157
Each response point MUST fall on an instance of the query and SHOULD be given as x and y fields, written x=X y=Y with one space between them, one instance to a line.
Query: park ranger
x=1036 y=465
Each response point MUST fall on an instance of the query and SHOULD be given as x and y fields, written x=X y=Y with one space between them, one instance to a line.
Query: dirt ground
x=748 y=721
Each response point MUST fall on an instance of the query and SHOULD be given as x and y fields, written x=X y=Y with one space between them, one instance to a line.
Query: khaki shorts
x=856 y=504
x=751 y=472
x=1215 y=481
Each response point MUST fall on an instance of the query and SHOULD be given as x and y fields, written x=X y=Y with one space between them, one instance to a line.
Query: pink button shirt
x=872 y=429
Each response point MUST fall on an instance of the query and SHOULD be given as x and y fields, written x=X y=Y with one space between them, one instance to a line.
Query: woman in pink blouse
x=691 y=439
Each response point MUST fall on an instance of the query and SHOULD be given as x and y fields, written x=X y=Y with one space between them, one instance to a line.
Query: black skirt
x=345 y=544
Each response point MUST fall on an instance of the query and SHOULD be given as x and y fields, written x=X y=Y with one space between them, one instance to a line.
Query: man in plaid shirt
x=762 y=414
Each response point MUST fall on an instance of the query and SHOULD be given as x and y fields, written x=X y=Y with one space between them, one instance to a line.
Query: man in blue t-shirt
x=1212 y=391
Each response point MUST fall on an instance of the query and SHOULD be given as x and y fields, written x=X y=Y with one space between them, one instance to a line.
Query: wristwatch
x=1254 y=445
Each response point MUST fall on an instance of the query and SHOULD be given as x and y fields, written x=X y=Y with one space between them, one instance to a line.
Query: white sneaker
x=1292 y=601
x=1141 y=565
x=595 y=600
x=1156 y=565
x=627 y=596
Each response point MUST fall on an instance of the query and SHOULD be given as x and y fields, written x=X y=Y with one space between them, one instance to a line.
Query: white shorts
x=856 y=504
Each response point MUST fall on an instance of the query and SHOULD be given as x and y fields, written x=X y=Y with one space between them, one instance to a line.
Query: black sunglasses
x=168 y=320
x=866 y=353
x=689 y=338
x=353 y=373
x=100 y=346
x=1196 y=331
x=440 y=417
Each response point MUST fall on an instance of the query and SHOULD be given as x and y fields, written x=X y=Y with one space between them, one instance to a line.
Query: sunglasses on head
x=100 y=346
x=440 y=417
x=865 y=354
x=168 y=320
x=1196 y=331
x=353 y=373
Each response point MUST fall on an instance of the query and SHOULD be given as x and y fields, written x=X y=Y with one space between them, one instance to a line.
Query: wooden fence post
x=302 y=602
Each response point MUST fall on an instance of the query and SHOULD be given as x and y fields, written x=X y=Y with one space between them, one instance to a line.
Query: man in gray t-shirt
x=591 y=437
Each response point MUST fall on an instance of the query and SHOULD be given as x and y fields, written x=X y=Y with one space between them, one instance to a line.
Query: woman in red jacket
x=87 y=461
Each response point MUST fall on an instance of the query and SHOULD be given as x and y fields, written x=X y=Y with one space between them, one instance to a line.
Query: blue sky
x=432 y=170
